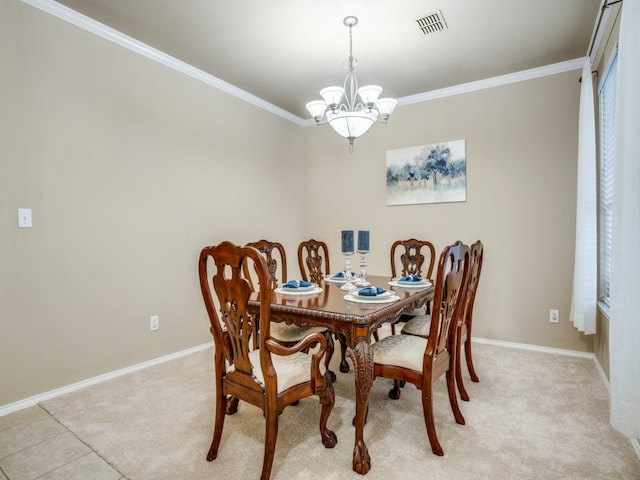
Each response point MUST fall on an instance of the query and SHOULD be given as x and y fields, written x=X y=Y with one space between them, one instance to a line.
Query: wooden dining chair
x=270 y=377
x=408 y=258
x=476 y=255
x=421 y=361
x=276 y=259
x=420 y=324
x=313 y=260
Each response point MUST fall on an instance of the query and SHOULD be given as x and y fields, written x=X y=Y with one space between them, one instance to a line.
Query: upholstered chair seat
x=406 y=351
x=418 y=325
x=292 y=369
x=292 y=333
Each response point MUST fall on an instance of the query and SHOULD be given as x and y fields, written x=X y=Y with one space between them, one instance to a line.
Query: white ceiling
x=285 y=51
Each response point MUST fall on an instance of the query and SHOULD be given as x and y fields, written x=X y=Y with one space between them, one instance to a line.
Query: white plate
x=300 y=289
x=340 y=281
x=354 y=297
x=377 y=297
x=312 y=290
x=329 y=278
x=422 y=284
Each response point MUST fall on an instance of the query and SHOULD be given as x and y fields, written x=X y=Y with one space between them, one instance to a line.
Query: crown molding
x=71 y=16
x=553 y=69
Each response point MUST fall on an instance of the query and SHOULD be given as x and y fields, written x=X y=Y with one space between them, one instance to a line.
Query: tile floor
x=34 y=445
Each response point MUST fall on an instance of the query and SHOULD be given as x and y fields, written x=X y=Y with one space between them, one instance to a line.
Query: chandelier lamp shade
x=351 y=111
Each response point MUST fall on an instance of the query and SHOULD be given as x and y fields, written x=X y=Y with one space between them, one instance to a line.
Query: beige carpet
x=532 y=416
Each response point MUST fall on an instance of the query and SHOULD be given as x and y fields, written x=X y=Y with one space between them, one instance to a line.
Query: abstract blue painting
x=434 y=173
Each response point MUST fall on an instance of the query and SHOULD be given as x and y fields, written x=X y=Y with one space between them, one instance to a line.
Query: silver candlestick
x=363 y=267
x=348 y=284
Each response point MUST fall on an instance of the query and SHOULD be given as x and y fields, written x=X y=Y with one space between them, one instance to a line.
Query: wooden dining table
x=356 y=322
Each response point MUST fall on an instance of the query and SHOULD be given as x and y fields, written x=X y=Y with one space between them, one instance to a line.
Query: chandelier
x=348 y=118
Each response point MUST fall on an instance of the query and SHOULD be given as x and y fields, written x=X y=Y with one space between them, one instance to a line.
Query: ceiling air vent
x=432 y=23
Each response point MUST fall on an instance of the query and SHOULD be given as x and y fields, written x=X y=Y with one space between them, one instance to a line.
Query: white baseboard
x=603 y=376
x=556 y=351
x=635 y=443
x=29 y=402
x=535 y=348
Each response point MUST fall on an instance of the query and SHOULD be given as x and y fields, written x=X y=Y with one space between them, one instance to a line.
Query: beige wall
x=130 y=168
x=521 y=147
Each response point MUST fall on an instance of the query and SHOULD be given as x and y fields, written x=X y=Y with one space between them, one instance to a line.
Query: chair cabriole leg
x=271 y=417
x=221 y=405
x=427 y=407
x=458 y=368
x=467 y=354
x=453 y=398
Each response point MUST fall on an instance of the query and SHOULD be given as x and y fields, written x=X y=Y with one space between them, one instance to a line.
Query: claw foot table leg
x=363 y=363
x=361 y=458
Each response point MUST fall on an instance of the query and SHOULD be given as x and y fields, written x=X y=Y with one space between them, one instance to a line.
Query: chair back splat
x=313 y=260
x=407 y=258
x=273 y=251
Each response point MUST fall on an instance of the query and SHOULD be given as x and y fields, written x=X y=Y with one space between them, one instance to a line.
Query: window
x=607 y=95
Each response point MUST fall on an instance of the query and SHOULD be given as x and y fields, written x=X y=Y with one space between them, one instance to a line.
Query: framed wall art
x=434 y=173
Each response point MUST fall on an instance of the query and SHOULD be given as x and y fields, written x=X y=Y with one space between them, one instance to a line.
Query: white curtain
x=624 y=327
x=585 y=267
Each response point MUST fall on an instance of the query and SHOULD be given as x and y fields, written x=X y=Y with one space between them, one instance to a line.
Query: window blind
x=607 y=97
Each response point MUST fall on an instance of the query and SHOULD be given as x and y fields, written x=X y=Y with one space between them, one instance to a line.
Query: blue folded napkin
x=371 y=291
x=341 y=275
x=411 y=278
x=296 y=284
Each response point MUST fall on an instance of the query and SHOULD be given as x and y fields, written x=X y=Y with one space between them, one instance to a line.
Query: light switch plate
x=24 y=218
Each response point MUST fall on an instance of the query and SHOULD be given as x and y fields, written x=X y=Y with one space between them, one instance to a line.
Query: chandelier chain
x=350 y=83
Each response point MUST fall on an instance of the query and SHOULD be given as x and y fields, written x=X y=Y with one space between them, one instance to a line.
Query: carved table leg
x=363 y=363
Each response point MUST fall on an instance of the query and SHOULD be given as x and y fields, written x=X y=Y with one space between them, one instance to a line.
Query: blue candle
x=363 y=240
x=347 y=241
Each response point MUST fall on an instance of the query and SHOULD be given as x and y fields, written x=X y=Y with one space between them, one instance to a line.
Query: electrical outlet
x=153 y=322
x=554 y=316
